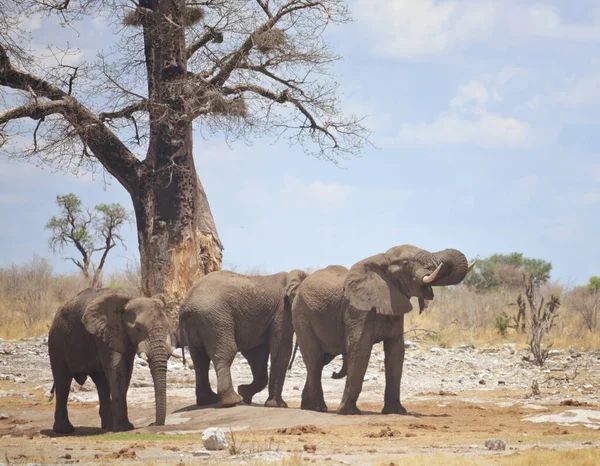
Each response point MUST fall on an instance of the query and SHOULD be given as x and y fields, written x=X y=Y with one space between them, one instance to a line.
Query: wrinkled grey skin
x=226 y=313
x=97 y=334
x=341 y=311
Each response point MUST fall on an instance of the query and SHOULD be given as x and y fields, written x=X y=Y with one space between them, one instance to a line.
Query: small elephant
x=341 y=311
x=97 y=334
x=226 y=313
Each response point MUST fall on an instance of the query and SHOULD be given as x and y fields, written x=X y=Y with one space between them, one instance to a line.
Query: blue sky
x=487 y=124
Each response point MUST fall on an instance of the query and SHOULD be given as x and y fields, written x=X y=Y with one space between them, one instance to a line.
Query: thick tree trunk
x=177 y=237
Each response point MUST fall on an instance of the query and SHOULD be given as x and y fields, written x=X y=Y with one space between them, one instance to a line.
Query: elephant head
x=386 y=282
x=294 y=279
x=125 y=323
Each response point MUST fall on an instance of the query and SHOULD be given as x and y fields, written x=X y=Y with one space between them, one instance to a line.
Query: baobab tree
x=240 y=68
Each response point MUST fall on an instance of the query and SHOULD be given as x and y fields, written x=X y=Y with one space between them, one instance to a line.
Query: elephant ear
x=368 y=286
x=294 y=279
x=103 y=318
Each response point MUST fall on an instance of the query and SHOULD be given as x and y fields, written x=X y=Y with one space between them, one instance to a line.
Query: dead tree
x=239 y=68
x=542 y=319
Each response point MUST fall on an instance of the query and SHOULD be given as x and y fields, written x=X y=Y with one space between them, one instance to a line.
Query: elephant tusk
x=431 y=277
x=144 y=356
x=471 y=265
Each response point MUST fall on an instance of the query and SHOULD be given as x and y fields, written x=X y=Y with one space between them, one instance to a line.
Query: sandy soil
x=451 y=413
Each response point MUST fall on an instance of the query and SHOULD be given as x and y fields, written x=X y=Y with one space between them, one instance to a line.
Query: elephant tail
x=343 y=371
x=51 y=397
x=293 y=356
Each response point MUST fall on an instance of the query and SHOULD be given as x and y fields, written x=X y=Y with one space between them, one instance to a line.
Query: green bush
x=501 y=324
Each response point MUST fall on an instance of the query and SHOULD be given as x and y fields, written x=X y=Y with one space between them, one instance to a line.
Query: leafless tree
x=541 y=321
x=234 y=67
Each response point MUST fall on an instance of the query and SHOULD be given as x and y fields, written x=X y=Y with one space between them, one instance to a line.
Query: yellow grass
x=533 y=457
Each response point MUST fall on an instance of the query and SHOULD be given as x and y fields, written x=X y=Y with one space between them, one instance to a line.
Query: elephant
x=225 y=313
x=341 y=311
x=97 y=334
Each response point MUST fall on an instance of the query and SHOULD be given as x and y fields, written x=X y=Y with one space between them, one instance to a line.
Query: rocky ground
x=457 y=399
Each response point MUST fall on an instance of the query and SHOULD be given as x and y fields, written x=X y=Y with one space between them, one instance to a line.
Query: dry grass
x=533 y=457
x=464 y=316
x=31 y=293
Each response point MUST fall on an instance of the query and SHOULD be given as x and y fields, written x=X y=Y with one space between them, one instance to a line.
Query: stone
x=310 y=448
x=213 y=438
x=203 y=453
x=3 y=416
x=495 y=444
x=435 y=349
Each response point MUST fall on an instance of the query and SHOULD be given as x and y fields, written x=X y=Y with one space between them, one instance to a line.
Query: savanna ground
x=464 y=385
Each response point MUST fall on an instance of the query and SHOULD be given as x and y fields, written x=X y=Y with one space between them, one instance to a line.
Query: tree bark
x=177 y=236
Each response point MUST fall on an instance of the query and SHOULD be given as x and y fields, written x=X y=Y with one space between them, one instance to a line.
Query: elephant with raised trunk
x=98 y=334
x=226 y=313
x=341 y=311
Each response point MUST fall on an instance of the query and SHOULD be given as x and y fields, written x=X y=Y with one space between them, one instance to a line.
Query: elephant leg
x=204 y=393
x=281 y=342
x=313 y=357
x=257 y=359
x=62 y=386
x=394 y=360
x=222 y=355
x=101 y=382
x=358 y=352
x=117 y=373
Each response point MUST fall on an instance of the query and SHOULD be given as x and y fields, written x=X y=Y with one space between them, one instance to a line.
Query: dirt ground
x=450 y=416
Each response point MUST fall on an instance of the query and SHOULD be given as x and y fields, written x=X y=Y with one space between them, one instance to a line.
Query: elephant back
x=324 y=289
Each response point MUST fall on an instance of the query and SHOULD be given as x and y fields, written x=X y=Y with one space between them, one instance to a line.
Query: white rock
x=213 y=438
x=435 y=349
x=202 y=453
x=3 y=416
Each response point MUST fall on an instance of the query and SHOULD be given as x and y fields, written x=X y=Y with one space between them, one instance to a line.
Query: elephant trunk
x=158 y=368
x=455 y=267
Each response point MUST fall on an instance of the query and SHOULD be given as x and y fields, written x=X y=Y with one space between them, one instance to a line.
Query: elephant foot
x=123 y=427
x=275 y=403
x=318 y=406
x=246 y=393
x=349 y=409
x=63 y=427
x=393 y=408
x=207 y=399
x=230 y=399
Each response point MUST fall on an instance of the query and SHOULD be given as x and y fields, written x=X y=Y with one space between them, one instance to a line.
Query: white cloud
x=469 y=123
x=29 y=23
x=581 y=91
x=409 y=29
x=591 y=198
x=473 y=96
x=596 y=173
x=316 y=195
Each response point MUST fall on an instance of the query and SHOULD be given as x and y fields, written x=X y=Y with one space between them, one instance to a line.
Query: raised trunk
x=455 y=267
x=159 y=377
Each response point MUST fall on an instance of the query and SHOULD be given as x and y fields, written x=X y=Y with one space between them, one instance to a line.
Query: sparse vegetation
x=88 y=231
x=501 y=324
